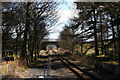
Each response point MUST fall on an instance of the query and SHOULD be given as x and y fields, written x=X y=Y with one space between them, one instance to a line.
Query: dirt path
x=36 y=69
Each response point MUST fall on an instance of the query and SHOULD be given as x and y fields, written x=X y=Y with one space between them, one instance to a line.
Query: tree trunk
x=35 y=52
x=113 y=35
x=35 y=40
x=102 y=44
x=113 y=31
x=82 y=44
x=118 y=30
x=107 y=48
x=38 y=49
x=16 y=50
x=95 y=35
x=31 y=49
x=24 y=49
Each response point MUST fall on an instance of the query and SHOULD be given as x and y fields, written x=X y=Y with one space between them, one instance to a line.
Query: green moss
x=112 y=62
x=101 y=56
x=39 y=59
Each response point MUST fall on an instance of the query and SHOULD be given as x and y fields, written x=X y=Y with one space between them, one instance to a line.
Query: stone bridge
x=54 y=42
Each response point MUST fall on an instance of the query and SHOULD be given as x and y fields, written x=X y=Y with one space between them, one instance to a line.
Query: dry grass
x=9 y=68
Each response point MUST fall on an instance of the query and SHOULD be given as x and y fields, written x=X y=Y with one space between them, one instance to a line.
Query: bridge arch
x=51 y=47
x=45 y=43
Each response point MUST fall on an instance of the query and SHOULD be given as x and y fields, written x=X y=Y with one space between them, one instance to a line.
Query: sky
x=66 y=11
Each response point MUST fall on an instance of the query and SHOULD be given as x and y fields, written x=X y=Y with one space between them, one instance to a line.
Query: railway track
x=80 y=73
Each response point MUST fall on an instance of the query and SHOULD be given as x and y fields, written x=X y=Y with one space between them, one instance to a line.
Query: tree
x=67 y=41
x=27 y=24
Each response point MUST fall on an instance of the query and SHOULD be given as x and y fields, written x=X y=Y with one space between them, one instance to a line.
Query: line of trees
x=97 y=22
x=24 y=25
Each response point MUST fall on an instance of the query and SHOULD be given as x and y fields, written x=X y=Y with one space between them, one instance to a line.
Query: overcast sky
x=66 y=12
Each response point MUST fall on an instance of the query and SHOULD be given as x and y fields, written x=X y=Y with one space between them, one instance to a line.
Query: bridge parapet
x=50 y=40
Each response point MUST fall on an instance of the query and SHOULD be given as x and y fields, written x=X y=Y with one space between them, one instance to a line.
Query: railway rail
x=80 y=73
x=83 y=74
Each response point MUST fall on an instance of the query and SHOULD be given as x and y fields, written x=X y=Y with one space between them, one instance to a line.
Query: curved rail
x=71 y=66
x=75 y=72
